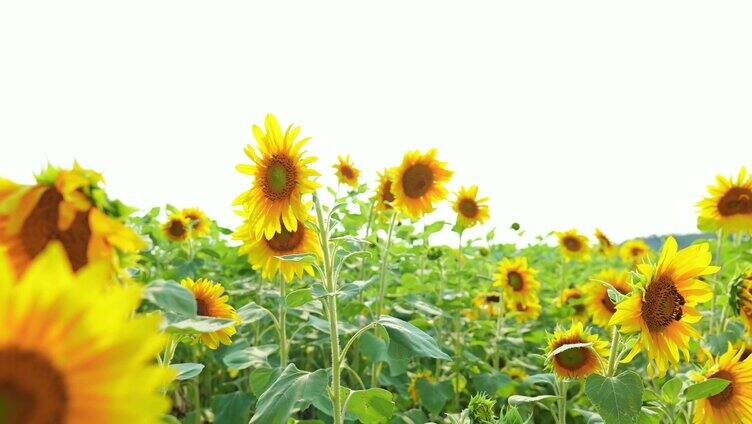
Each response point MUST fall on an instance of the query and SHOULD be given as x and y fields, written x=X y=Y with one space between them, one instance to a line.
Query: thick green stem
x=383 y=282
x=458 y=324
x=713 y=302
x=499 y=326
x=283 y=344
x=562 y=412
x=196 y=403
x=613 y=355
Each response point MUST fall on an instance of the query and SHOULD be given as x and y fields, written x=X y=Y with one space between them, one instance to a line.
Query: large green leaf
x=433 y=396
x=372 y=406
x=171 y=297
x=293 y=389
x=231 y=408
x=251 y=356
x=707 y=388
x=199 y=324
x=299 y=297
x=261 y=378
x=411 y=337
x=252 y=312
x=187 y=371
x=618 y=398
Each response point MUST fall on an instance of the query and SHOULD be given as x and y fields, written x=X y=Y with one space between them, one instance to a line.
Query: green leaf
x=518 y=399
x=433 y=396
x=411 y=337
x=671 y=389
x=199 y=325
x=252 y=312
x=618 y=399
x=566 y=347
x=433 y=228
x=308 y=258
x=171 y=297
x=253 y=356
x=187 y=371
x=707 y=388
x=299 y=297
x=261 y=378
x=293 y=389
x=372 y=406
x=231 y=408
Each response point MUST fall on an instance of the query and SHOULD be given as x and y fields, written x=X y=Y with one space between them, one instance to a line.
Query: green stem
x=283 y=346
x=499 y=325
x=384 y=267
x=458 y=324
x=713 y=302
x=612 y=355
x=562 y=415
x=196 y=402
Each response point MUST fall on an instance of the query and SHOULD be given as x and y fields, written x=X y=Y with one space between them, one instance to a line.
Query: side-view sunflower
x=574 y=298
x=71 y=348
x=67 y=206
x=384 y=195
x=578 y=362
x=741 y=299
x=346 y=173
x=199 y=223
x=523 y=312
x=177 y=227
x=418 y=183
x=634 y=251
x=282 y=175
x=517 y=280
x=263 y=253
x=729 y=206
x=470 y=210
x=732 y=405
x=663 y=307
x=597 y=301
x=573 y=245
x=211 y=301
x=605 y=245
x=489 y=302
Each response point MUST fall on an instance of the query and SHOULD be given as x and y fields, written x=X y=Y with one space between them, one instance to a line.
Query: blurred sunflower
x=745 y=347
x=68 y=206
x=281 y=176
x=412 y=385
x=346 y=173
x=578 y=362
x=384 y=196
x=262 y=253
x=419 y=183
x=573 y=245
x=211 y=301
x=517 y=280
x=732 y=405
x=71 y=348
x=741 y=299
x=515 y=373
x=597 y=302
x=662 y=308
x=199 y=222
x=177 y=227
x=488 y=302
x=470 y=210
x=729 y=207
x=605 y=245
x=523 y=312
x=634 y=251
x=574 y=298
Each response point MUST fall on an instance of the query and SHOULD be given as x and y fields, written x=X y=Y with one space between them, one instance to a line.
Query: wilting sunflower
x=211 y=301
x=263 y=253
x=729 y=207
x=578 y=362
x=732 y=405
x=177 y=227
x=573 y=245
x=281 y=177
x=634 y=251
x=597 y=302
x=199 y=222
x=346 y=173
x=384 y=196
x=524 y=312
x=573 y=297
x=67 y=206
x=71 y=348
x=470 y=210
x=517 y=280
x=662 y=308
x=412 y=385
x=488 y=302
x=741 y=299
x=605 y=245
x=418 y=183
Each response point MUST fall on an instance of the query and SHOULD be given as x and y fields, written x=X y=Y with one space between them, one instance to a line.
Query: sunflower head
x=282 y=175
x=515 y=373
x=488 y=302
x=211 y=301
x=177 y=227
x=199 y=223
x=663 y=306
x=574 y=298
x=573 y=245
x=346 y=172
x=634 y=251
x=470 y=210
x=418 y=183
x=741 y=299
x=728 y=206
x=89 y=358
x=732 y=405
x=384 y=195
x=523 y=312
x=605 y=245
x=576 y=362
x=517 y=280
x=598 y=303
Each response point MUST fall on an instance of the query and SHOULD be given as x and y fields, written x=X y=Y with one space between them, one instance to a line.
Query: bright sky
x=566 y=114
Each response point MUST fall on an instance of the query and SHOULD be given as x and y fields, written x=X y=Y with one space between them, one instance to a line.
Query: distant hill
x=656 y=241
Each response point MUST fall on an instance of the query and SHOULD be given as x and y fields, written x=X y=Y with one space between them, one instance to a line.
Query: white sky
x=566 y=114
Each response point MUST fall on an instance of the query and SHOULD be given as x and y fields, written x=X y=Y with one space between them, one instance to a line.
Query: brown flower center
x=636 y=251
x=515 y=280
x=417 y=180
x=203 y=307
x=572 y=359
x=573 y=244
x=280 y=178
x=386 y=192
x=177 y=228
x=493 y=298
x=468 y=208
x=32 y=390
x=286 y=241
x=606 y=300
x=347 y=172
x=605 y=242
x=737 y=200
x=721 y=399
x=661 y=304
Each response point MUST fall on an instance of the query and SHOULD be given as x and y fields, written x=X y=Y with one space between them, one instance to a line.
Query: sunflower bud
x=481 y=409
x=484 y=251
x=515 y=226
x=434 y=253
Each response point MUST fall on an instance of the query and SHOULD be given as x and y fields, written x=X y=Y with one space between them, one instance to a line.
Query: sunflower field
x=331 y=305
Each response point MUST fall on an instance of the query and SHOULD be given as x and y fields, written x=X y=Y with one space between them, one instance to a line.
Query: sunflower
x=634 y=251
x=281 y=176
x=177 y=227
x=606 y=246
x=732 y=405
x=573 y=297
x=573 y=245
x=384 y=196
x=488 y=302
x=515 y=373
x=662 y=308
x=742 y=299
x=470 y=210
x=346 y=173
x=419 y=183
x=199 y=222
x=729 y=207
x=412 y=385
x=517 y=280
x=597 y=302
x=211 y=301
x=577 y=362
x=263 y=253
x=67 y=206
x=523 y=312
x=71 y=348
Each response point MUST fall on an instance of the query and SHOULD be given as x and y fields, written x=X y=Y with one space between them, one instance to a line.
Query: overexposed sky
x=566 y=114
